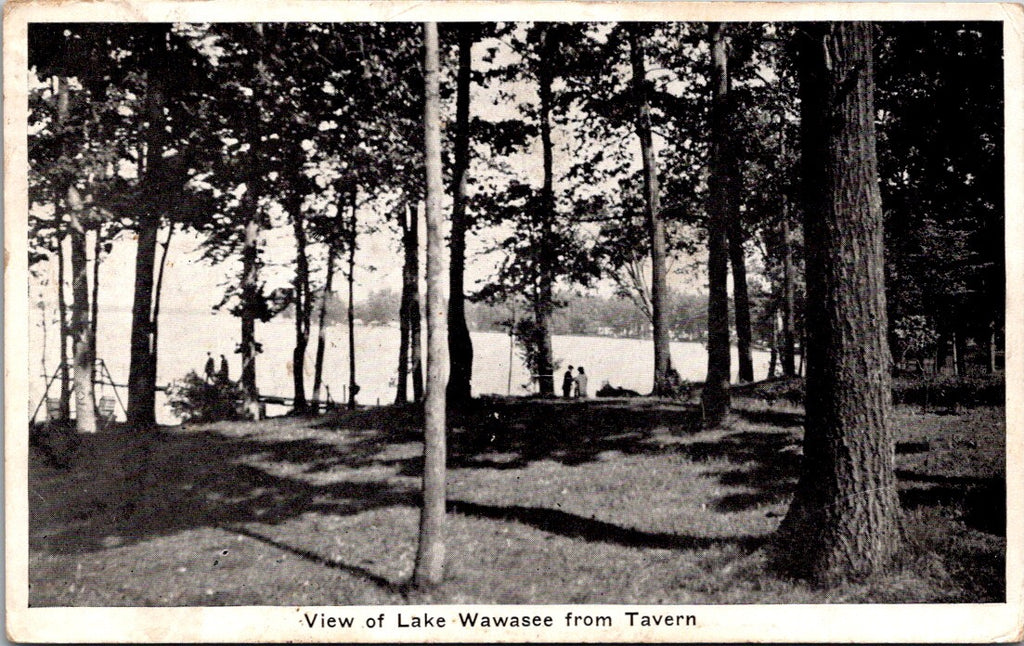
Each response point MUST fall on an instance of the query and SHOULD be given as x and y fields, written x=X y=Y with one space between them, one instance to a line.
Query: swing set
x=105 y=405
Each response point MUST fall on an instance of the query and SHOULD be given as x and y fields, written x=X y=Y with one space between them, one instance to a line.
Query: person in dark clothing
x=223 y=375
x=567 y=383
x=209 y=369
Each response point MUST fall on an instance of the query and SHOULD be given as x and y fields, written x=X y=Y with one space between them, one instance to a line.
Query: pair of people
x=213 y=377
x=574 y=385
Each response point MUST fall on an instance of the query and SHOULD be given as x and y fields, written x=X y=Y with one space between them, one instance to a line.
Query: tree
x=663 y=384
x=715 y=398
x=845 y=517
x=429 y=568
x=460 y=345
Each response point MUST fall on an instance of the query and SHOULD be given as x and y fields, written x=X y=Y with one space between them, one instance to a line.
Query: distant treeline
x=587 y=314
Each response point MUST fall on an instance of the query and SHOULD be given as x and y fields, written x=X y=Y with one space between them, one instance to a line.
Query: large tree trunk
x=459 y=343
x=81 y=328
x=741 y=301
x=715 y=399
x=663 y=384
x=250 y=295
x=844 y=520
x=302 y=305
x=353 y=387
x=321 y=330
x=142 y=367
x=415 y=318
x=62 y=301
x=405 y=310
x=429 y=570
x=544 y=301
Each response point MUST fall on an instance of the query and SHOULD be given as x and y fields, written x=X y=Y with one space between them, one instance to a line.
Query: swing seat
x=106 y=408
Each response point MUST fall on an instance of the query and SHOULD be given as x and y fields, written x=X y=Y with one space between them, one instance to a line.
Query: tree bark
x=844 y=520
x=94 y=316
x=81 y=328
x=715 y=399
x=788 y=300
x=544 y=301
x=156 y=296
x=142 y=367
x=663 y=384
x=302 y=304
x=405 y=310
x=429 y=569
x=415 y=316
x=353 y=387
x=460 y=345
x=321 y=330
x=741 y=301
x=65 y=375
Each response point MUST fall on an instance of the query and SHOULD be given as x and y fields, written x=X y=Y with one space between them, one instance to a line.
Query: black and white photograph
x=471 y=321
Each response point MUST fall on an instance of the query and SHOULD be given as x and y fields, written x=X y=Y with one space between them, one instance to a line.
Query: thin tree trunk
x=142 y=370
x=960 y=353
x=302 y=306
x=321 y=330
x=405 y=311
x=993 y=348
x=94 y=317
x=460 y=344
x=741 y=301
x=844 y=520
x=774 y=357
x=156 y=296
x=415 y=316
x=250 y=289
x=429 y=569
x=663 y=384
x=353 y=387
x=544 y=302
x=81 y=328
x=788 y=300
x=715 y=399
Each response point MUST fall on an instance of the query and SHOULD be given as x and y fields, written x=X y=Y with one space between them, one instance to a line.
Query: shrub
x=950 y=391
x=194 y=399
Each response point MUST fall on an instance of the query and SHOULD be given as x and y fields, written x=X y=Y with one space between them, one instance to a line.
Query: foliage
x=528 y=339
x=914 y=336
x=950 y=391
x=194 y=399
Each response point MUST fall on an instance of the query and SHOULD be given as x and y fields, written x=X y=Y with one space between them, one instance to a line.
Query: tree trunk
x=302 y=304
x=774 y=357
x=429 y=570
x=156 y=299
x=405 y=311
x=142 y=368
x=250 y=295
x=81 y=328
x=715 y=399
x=94 y=317
x=65 y=375
x=960 y=353
x=844 y=520
x=993 y=348
x=663 y=384
x=415 y=320
x=321 y=330
x=788 y=300
x=741 y=301
x=353 y=387
x=459 y=343
x=544 y=302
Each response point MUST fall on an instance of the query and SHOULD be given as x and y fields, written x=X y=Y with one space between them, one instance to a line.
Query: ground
x=624 y=501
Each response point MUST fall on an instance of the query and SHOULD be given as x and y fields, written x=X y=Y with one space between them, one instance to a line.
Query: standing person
x=581 y=384
x=223 y=376
x=209 y=369
x=567 y=383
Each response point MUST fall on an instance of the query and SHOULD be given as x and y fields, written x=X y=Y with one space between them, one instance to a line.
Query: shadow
x=313 y=557
x=907 y=448
x=598 y=531
x=981 y=502
x=781 y=419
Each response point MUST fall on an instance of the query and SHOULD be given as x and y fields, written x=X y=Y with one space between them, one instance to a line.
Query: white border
x=859 y=623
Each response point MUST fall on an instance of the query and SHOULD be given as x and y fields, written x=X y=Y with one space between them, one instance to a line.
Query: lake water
x=186 y=337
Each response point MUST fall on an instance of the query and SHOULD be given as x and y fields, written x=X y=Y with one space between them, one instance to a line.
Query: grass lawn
x=619 y=501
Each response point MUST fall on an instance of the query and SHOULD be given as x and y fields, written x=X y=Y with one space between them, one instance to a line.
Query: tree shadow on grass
x=980 y=502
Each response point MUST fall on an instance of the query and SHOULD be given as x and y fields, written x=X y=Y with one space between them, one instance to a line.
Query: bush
x=950 y=391
x=194 y=399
